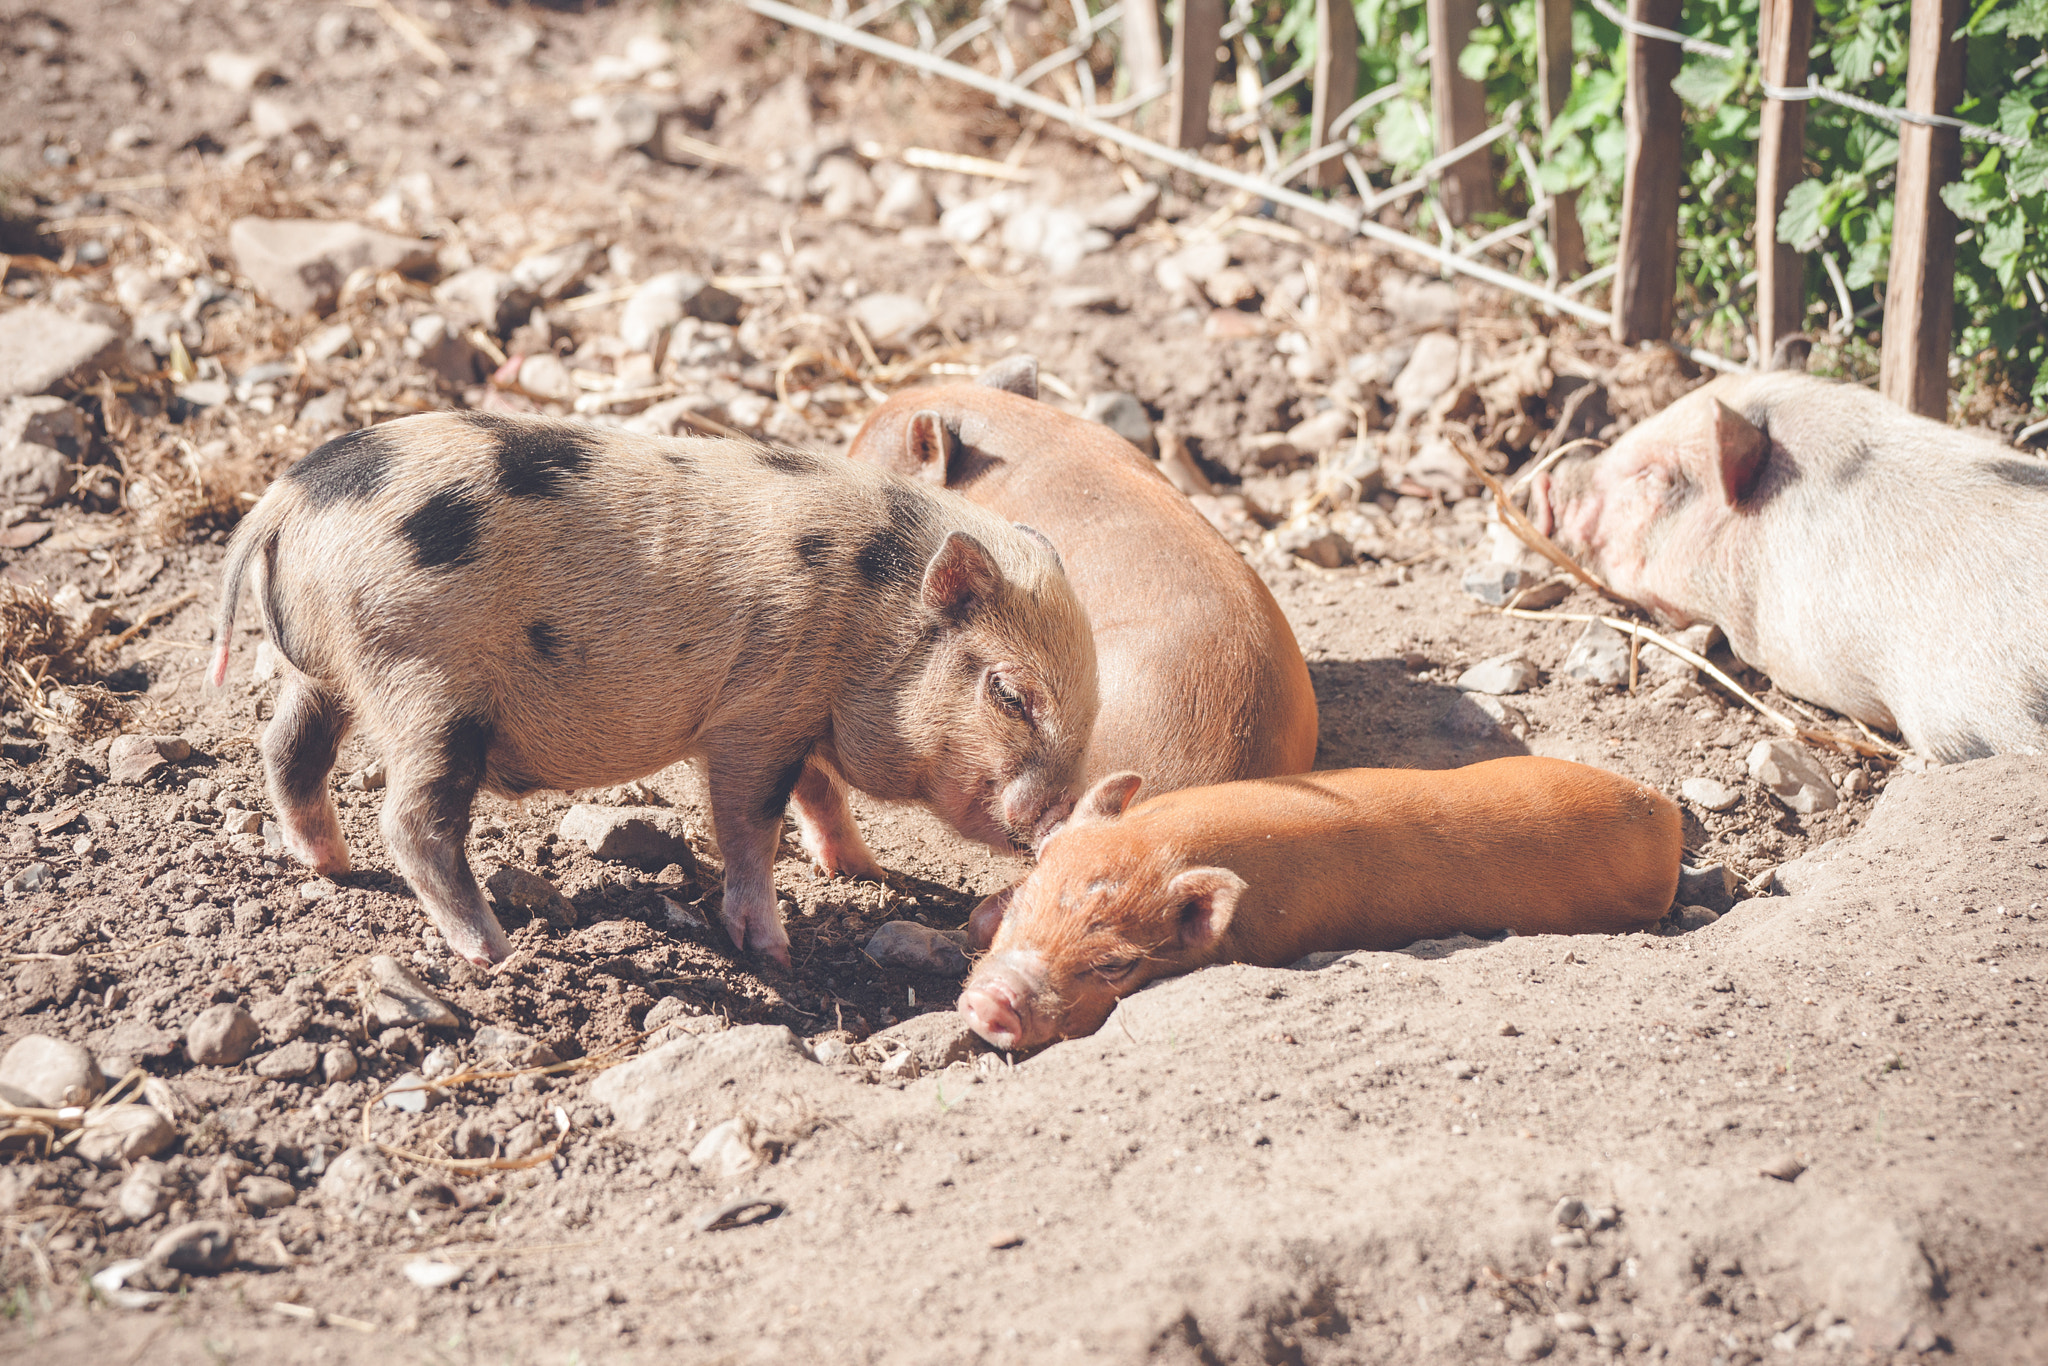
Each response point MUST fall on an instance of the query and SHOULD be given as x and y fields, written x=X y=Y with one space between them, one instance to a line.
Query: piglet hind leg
x=747 y=802
x=426 y=826
x=299 y=747
x=825 y=824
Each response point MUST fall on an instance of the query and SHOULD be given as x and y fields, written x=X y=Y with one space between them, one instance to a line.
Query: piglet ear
x=929 y=446
x=1204 y=900
x=1039 y=536
x=1106 y=800
x=1791 y=353
x=1739 y=450
x=960 y=577
x=1017 y=375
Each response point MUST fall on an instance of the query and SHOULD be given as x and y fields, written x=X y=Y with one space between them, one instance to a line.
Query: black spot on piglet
x=888 y=556
x=813 y=548
x=444 y=529
x=2024 y=473
x=535 y=459
x=546 y=640
x=785 y=783
x=786 y=462
x=346 y=469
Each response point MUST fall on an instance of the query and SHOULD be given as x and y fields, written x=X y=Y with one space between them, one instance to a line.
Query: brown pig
x=1202 y=681
x=1867 y=559
x=513 y=604
x=1268 y=871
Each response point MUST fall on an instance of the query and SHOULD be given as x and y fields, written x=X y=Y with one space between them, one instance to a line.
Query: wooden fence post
x=1919 y=299
x=1336 y=81
x=1466 y=186
x=1194 y=45
x=1554 y=79
x=1787 y=33
x=1646 y=267
x=1142 y=57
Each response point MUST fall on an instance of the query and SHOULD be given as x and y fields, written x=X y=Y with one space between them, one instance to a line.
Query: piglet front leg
x=747 y=801
x=825 y=824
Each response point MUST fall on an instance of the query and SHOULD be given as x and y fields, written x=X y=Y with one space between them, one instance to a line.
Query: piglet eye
x=1008 y=697
x=1117 y=968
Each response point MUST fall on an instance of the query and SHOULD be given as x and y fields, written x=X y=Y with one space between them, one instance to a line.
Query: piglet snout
x=1050 y=819
x=997 y=1003
x=1539 y=504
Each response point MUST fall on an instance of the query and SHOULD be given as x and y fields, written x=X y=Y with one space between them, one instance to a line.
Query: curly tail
x=249 y=538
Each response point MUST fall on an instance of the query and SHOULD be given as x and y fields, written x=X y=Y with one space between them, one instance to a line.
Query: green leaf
x=1476 y=61
x=2029 y=173
x=1800 y=221
x=1974 y=200
x=1705 y=82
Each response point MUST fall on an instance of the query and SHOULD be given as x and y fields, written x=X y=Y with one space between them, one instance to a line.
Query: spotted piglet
x=512 y=604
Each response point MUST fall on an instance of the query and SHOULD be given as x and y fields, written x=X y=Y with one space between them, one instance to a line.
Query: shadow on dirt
x=1375 y=714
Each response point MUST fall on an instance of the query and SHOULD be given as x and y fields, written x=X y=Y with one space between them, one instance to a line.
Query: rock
x=517 y=889
x=1568 y=1322
x=1710 y=795
x=300 y=264
x=30 y=879
x=393 y=997
x=222 y=1036
x=237 y=71
x=1476 y=716
x=131 y=758
x=1122 y=213
x=317 y=889
x=440 y=1061
x=1430 y=371
x=902 y=1066
x=43 y=1072
x=201 y=1248
x=623 y=120
x=411 y=1094
x=128 y=1283
x=1692 y=918
x=842 y=187
x=351 y=1177
x=263 y=1195
x=1438 y=467
x=1126 y=416
x=699 y=1070
x=40 y=347
x=337 y=1063
x=1529 y=1342
x=1660 y=664
x=1713 y=885
x=907 y=202
x=1321 y=432
x=649 y=835
x=907 y=945
x=1784 y=1168
x=1417 y=301
x=727 y=1149
x=1793 y=776
x=935 y=1039
x=51 y=982
x=1100 y=298
x=1186 y=270
x=437 y=346
x=293 y=1060
x=831 y=1051
x=543 y=376
x=1494 y=583
x=552 y=273
x=41 y=438
x=1500 y=676
x=1317 y=544
x=968 y=222
x=891 y=319
x=428 y=1274
x=665 y=300
x=143 y=1194
x=1598 y=657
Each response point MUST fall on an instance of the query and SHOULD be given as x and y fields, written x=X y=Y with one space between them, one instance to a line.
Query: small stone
x=1126 y=416
x=1494 y=583
x=222 y=1036
x=263 y=1195
x=623 y=120
x=1568 y=1322
x=119 y=1134
x=842 y=187
x=433 y=1275
x=1418 y=301
x=481 y=294
x=1124 y=212
x=830 y=1051
x=30 y=879
x=517 y=889
x=1855 y=783
x=648 y=835
x=969 y=221
x=1193 y=265
x=394 y=997
x=337 y=1063
x=202 y=1248
x=1322 y=432
x=494 y=1044
x=1608 y=1336
x=42 y=1072
x=242 y=823
x=41 y=438
x=237 y=71
x=552 y=273
x=1477 y=716
x=1784 y=1168
x=1319 y=545
x=1793 y=776
x=665 y=300
x=317 y=889
x=439 y=1062
x=1710 y=795
x=907 y=202
x=300 y=264
x=436 y=345
x=132 y=759
x=891 y=319
x=40 y=347
x=1692 y=918
x=143 y=1193
x=293 y=1060
x=1598 y=657
x=1570 y=1213
x=411 y=1094
x=1500 y=676
x=902 y=1066
x=1507 y=1029
x=727 y=1149
x=351 y=1177
x=1529 y=1342
x=1603 y=1216
x=907 y=945
x=1430 y=371
x=1712 y=884
x=1099 y=298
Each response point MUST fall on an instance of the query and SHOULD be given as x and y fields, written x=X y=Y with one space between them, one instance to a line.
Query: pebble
x=263 y=1195
x=1476 y=716
x=237 y=71
x=552 y=273
x=665 y=300
x=300 y=264
x=44 y=1072
x=1608 y=1336
x=337 y=1063
x=1417 y=301
x=1529 y=1342
x=516 y=888
x=1494 y=583
x=902 y=1066
x=221 y=1036
x=1127 y=211
x=411 y=1094
x=623 y=120
x=510 y=1046
x=490 y=297
x=40 y=347
x=1793 y=776
x=907 y=202
x=1431 y=369
x=1500 y=676
x=831 y=1051
x=132 y=759
x=439 y=1062
x=30 y=879
x=1569 y=1213
x=119 y=1134
x=395 y=997
x=433 y=1275
x=890 y=319
x=142 y=1194
x=842 y=187
x=1192 y=266
x=1692 y=918
x=1318 y=434
x=1123 y=414
x=909 y=946
x=968 y=222
x=200 y=1248
x=437 y=345
x=1707 y=884
x=1599 y=656
x=1710 y=795
x=41 y=438
x=1785 y=1168
x=317 y=889
x=242 y=823
x=1568 y=1322
x=296 y=1059
x=1508 y=1030
x=1320 y=546
x=727 y=1149
x=639 y=834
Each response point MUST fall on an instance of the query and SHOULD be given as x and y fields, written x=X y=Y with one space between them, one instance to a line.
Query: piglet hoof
x=314 y=838
x=481 y=945
x=770 y=940
x=988 y=917
x=842 y=857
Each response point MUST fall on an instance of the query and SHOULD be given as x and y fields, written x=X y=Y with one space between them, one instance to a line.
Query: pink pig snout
x=998 y=1002
x=1031 y=814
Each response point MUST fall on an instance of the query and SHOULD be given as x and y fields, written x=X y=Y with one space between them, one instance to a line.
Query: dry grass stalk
x=52 y=668
x=596 y=1063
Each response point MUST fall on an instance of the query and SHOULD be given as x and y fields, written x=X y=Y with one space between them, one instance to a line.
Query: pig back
x=1379 y=858
x=1200 y=677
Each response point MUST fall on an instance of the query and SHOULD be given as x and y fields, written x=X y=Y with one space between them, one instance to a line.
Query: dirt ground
x=1810 y=1128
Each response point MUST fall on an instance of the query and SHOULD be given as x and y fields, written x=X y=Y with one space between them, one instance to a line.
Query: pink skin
x=997 y=1003
x=825 y=824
